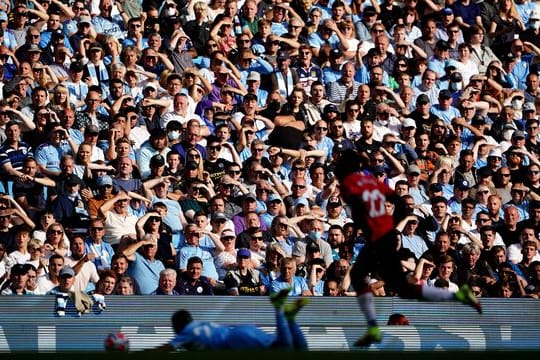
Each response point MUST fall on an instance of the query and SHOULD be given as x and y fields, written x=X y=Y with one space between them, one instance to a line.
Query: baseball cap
x=456 y=77
x=334 y=202
x=408 y=122
x=369 y=11
x=218 y=216
x=254 y=76
x=445 y=94
x=413 y=169
x=301 y=201
x=95 y=46
x=104 y=180
x=19 y=269
x=535 y=14
x=91 y=129
x=250 y=196
x=85 y=19
x=150 y=86
x=528 y=106
x=227 y=233
x=67 y=271
x=518 y=134
x=273 y=197
x=447 y=11
x=243 y=252
x=3 y=16
x=336 y=53
x=73 y=179
x=157 y=160
x=283 y=55
x=331 y=108
x=462 y=184
x=422 y=99
x=76 y=66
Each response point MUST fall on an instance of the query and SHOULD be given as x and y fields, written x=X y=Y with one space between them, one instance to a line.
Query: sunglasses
x=55 y=232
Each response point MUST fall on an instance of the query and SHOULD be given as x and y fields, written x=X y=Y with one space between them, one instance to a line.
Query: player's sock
x=372 y=335
x=367 y=306
x=290 y=310
x=466 y=296
x=278 y=299
x=432 y=293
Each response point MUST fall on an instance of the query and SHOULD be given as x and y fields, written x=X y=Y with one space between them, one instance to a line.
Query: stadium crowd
x=185 y=147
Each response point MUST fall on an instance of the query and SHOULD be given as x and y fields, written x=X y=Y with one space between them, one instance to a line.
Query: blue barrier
x=29 y=323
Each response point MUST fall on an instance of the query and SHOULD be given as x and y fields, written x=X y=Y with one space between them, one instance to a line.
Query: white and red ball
x=117 y=342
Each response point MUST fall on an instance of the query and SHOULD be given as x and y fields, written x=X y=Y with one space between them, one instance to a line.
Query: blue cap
x=301 y=201
x=462 y=184
x=243 y=252
x=3 y=16
x=273 y=197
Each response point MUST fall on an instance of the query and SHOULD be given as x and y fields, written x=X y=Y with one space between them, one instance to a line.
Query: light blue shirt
x=146 y=273
x=189 y=251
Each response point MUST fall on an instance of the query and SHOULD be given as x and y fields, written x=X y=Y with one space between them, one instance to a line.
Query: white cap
x=408 y=122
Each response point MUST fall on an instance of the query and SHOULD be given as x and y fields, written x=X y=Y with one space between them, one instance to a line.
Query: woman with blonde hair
x=56 y=241
x=113 y=49
x=43 y=76
x=349 y=31
x=504 y=26
x=60 y=99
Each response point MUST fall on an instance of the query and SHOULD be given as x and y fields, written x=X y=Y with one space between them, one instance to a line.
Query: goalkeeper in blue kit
x=193 y=334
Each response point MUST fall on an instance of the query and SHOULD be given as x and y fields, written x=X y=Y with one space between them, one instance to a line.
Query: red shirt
x=366 y=197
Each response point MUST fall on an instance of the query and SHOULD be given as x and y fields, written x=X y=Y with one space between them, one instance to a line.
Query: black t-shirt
x=421 y=122
x=217 y=168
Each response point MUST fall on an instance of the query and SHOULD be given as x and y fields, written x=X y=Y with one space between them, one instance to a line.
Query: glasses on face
x=483 y=220
x=354 y=110
x=483 y=192
x=296 y=186
x=377 y=30
x=321 y=128
x=298 y=169
x=215 y=147
x=532 y=127
x=193 y=234
x=534 y=172
x=155 y=219
x=259 y=149
x=244 y=41
x=228 y=238
x=257 y=238
x=378 y=161
x=55 y=232
x=96 y=228
x=234 y=172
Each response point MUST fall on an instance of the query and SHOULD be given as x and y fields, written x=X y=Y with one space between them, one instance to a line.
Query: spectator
x=192 y=282
x=144 y=267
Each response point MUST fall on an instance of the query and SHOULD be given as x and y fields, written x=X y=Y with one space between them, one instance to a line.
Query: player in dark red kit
x=366 y=198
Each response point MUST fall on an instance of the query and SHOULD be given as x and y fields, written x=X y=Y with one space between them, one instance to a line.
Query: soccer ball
x=117 y=342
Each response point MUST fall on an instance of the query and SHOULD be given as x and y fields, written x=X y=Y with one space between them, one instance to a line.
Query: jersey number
x=375 y=201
